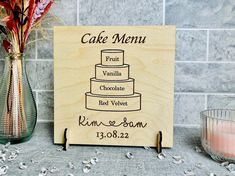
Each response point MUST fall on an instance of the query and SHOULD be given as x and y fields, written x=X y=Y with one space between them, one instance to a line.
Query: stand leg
x=159 y=142
x=66 y=141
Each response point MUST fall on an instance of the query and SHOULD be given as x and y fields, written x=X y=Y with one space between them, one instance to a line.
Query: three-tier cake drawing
x=112 y=89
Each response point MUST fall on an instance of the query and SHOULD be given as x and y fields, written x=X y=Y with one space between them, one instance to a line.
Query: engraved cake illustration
x=112 y=89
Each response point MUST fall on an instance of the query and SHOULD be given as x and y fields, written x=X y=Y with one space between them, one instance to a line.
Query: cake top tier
x=112 y=57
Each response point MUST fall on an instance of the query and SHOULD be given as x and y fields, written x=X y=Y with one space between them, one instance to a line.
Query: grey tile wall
x=30 y=48
x=187 y=108
x=204 y=77
x=40 y=74
x=205 y=50
x=62 y=13
x=120 y=12
x=2 y=51
x=191 y=45
x=45 y=44
x=1 y=67
x=45 y=105
x=200 y=13
x=221 y=101
x=222 y=46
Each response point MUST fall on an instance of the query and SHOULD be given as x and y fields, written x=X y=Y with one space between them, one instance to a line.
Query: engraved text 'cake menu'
x=88 y=38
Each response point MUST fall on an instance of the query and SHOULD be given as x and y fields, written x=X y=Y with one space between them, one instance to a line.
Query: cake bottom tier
x=123 y=103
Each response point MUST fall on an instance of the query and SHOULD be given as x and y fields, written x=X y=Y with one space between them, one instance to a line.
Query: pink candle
x=222 y=139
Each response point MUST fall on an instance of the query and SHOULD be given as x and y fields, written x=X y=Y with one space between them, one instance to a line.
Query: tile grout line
x=36 y=45
x=205 y=29
x=36 y=92
x=163 y=12
x=177 y=61
x=44 y=121
x=35 y=60
x=206 y=101
x=78 y=16
x=186 y=125
x=176 y=93
x=207 y=44
x=204 y=93
x=206 y=62
x=178 y=29
x=41 y=90
x=42 y=60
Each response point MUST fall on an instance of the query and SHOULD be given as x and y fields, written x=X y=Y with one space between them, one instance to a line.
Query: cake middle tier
x=115 y=87
x=119 y=72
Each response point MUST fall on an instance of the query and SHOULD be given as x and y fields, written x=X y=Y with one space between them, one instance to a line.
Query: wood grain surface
x=128 y=109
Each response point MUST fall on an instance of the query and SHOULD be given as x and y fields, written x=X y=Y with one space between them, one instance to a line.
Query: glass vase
x=18 y=113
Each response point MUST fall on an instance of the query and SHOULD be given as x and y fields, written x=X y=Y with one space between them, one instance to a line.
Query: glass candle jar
x=218 y=134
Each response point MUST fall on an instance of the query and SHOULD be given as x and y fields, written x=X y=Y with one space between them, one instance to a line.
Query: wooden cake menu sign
x=114 y=85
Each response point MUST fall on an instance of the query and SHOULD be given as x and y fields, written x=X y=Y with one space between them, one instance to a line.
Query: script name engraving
x=84 y=121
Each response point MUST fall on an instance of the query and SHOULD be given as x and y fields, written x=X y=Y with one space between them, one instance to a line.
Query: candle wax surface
x=222 y=139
